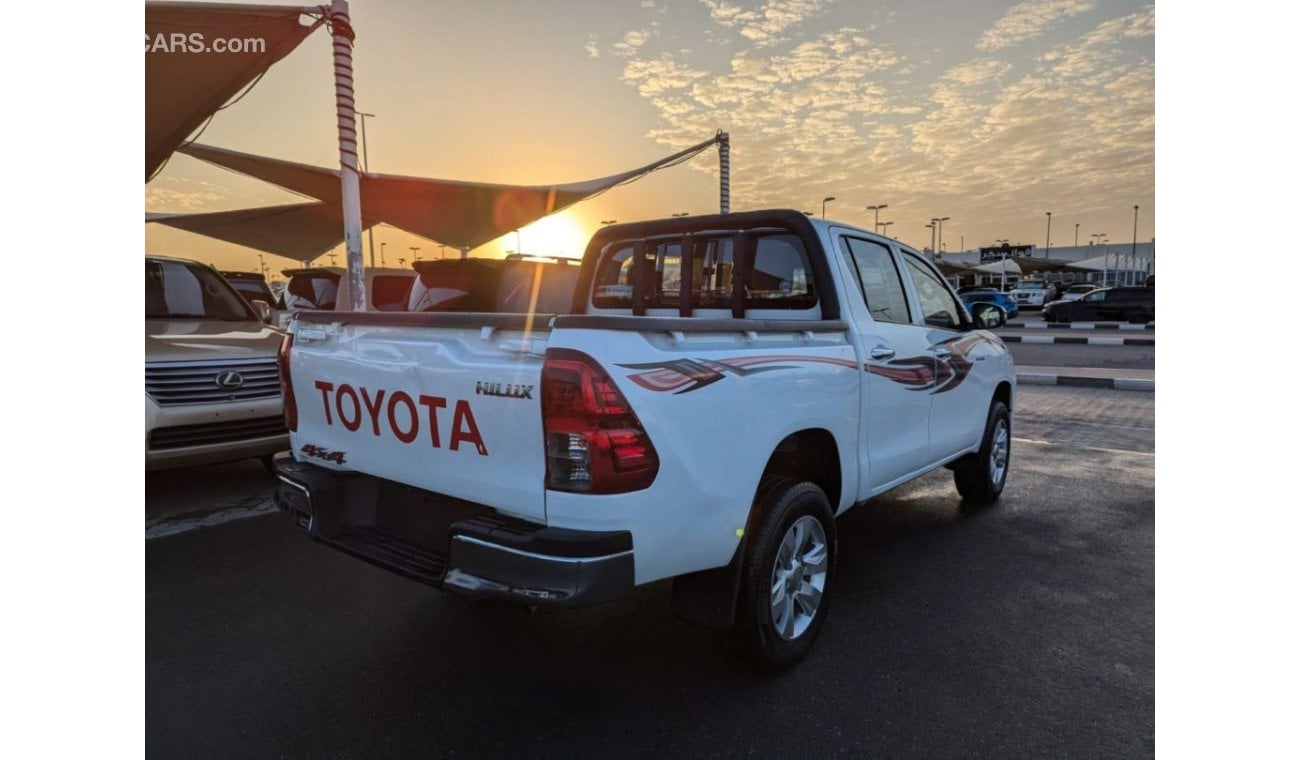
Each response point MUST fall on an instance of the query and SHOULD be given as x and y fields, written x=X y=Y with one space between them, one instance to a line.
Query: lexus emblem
x=230 y=381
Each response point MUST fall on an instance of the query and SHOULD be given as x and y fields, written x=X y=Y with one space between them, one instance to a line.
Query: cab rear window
x=778 y=277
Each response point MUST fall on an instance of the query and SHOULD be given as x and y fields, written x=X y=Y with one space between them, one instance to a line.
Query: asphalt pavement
x=1025 y=629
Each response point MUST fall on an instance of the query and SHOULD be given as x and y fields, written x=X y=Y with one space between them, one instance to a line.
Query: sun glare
x=558 y=235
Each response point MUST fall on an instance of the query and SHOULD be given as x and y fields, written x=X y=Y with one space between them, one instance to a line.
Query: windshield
x=1031 y=286
x=176 y=289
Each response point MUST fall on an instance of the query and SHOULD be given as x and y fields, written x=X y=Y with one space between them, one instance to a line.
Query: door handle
x=882 y=353
x=942 y=352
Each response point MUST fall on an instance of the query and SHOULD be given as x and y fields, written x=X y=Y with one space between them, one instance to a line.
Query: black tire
x=781 y=502
x=268 y=463
x=975 y=475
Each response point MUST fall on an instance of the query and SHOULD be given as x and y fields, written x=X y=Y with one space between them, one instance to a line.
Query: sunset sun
x=557 y=235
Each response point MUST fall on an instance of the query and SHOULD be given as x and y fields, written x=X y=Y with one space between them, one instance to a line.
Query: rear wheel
x=981 y=476
x=788 y=569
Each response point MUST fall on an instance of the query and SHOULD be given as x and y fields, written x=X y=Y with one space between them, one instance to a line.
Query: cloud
x=985 y=141
x=593 y=50
x=175 y=194
x=1028 y=20
x=764 y=25
x=633 y=40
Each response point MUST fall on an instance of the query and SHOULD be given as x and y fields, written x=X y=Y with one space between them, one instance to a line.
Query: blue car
x=972 y=297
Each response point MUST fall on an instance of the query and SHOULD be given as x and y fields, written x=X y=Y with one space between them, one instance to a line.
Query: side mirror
x=262 y=308
x=988 y=316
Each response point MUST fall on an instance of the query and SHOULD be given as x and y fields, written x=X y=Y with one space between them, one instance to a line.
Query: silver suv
x=211 y=379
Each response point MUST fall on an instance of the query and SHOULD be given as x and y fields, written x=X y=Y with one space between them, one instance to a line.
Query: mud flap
x=708 y=597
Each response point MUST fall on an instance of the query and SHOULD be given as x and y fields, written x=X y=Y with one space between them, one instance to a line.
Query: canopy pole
x=345 y=107
x=724 y=164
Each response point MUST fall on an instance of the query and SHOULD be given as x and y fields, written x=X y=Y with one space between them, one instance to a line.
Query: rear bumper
x=454 y=544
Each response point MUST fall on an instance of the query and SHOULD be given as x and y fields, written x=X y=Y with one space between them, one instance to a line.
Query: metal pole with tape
x=724 y=163
x=345 y=108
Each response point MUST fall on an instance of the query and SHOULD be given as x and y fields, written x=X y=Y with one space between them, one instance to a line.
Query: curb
x=1109 y=383
x=1098 y=341
x=1077 y=326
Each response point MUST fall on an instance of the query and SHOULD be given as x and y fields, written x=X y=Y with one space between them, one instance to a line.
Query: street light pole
x=1134 y=252
x=1004 y=242
x=1076 y=236
x=415 y=253
x=830 y=198
x=877 y=210
x=1048 y=255
x=365 y=168
x=884 y=228
x=930 y=226
x=383 y=262
x=938 y=221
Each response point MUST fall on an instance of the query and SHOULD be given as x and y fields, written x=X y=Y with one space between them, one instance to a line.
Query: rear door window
x=878 y=278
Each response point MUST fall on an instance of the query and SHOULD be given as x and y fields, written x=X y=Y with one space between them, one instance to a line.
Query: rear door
x=894 y=431
x=443 y=402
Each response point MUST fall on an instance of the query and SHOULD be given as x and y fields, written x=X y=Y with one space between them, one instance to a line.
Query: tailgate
x=450 y=403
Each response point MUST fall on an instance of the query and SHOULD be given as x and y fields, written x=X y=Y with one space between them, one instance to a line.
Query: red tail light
x=594 y=441
x=286 y=386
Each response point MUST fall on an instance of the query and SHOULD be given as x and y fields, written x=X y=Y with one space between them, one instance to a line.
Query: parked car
x=211 y=382
x=1033 y=294
x=326 y=289
x=720 y=389
x=504 y=286
x=989 y=295
x=1077 y=291
x=252 y=286
x=1137 y=305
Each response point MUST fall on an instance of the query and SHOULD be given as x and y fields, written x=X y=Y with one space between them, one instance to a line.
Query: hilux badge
x=504 y=390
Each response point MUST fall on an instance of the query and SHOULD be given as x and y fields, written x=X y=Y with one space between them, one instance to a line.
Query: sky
x=989 y=113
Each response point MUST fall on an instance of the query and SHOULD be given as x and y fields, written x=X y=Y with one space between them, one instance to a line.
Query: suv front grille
x=171 y=383
x=181 y=436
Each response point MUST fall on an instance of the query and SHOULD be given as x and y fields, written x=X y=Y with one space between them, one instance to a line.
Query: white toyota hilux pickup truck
x=721 y=389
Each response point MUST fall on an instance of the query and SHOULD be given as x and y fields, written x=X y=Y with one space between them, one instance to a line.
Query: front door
x=899 y=369
x=960 y=394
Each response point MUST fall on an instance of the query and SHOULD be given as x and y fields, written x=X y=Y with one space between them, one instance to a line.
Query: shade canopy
x=300 y=231
x=948 y=268
x=1022 y=266
x=185 y=86
x=450 y=212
